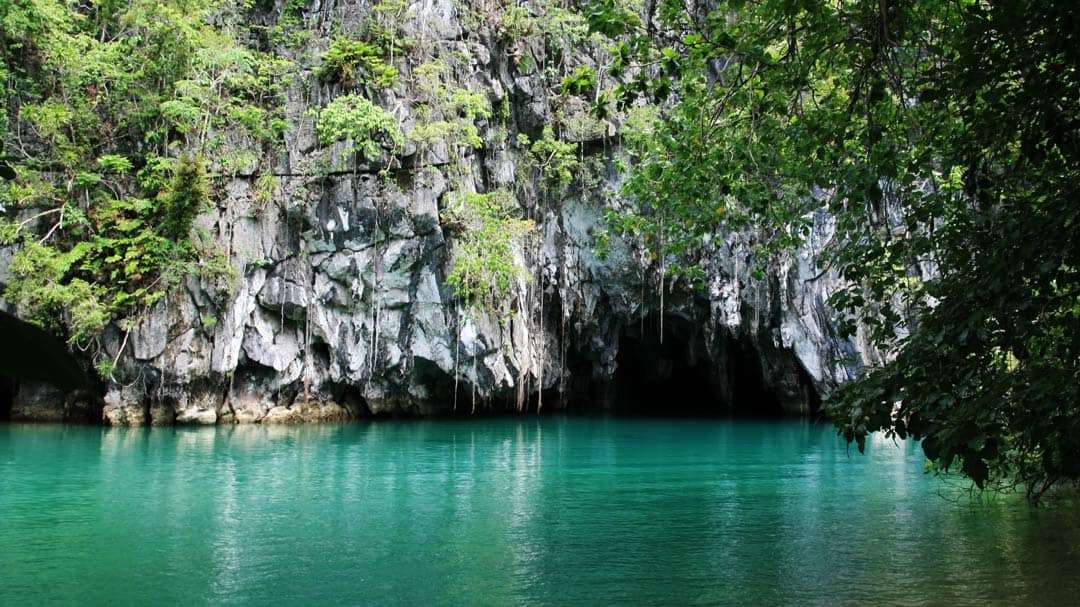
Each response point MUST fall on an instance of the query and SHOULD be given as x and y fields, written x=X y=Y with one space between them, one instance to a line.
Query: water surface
x=549 y=511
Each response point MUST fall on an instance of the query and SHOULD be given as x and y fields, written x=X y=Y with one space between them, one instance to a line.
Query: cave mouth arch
x=685 y=375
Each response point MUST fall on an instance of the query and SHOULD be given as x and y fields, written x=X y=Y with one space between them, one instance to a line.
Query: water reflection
x=549 y=511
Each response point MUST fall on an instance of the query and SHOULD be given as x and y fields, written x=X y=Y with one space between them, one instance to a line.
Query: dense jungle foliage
x=112 y=109
x=942 y=136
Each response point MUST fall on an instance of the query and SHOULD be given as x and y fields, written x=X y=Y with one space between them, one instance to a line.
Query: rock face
x=340 y=306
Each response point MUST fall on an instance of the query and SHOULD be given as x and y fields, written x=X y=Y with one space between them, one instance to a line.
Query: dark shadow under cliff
x=656 y=379
x=7 y=397
x=31 y=353
x=689 y=372
x=684 y=373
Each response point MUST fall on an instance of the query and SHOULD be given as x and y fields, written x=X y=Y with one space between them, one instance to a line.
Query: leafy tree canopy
x=942 y=136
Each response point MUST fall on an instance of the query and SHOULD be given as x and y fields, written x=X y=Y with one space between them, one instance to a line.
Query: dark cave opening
x=351 y=398
x=457 y=397
x=679 y=376
x=8 y=386
x=320 y=351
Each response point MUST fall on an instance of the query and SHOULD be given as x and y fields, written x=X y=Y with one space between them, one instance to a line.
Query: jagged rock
x=197 y=409
x=124 y=407
x=285 y=290
x=307 y=411
x=151 y=336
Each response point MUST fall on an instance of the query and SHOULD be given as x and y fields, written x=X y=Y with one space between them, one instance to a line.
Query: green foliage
x=289 y=29
x=115 y=105
x=356 y=62
x=557 y=161
x=229 y=91
x=484 y=269
x=41 y=287
x=114 y=163
x=365 y=126
x=208 y=322
x=934 y=133
x=517 y=22
x=266 y=186
x=188 y=194
x=581 y=82
x=383 y=29
x=560 y=31
x=447 y=114
x=105 y=367
x=125 y=246
x=612 y=18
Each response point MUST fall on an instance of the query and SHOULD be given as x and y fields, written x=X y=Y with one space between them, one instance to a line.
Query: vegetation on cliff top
x=123 y=119
x=111 y=110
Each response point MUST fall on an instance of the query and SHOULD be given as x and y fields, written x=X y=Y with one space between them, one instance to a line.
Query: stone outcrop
x=340 y=306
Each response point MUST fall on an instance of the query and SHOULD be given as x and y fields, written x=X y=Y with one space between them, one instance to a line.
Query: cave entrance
x=679 y=376
x=7 y=397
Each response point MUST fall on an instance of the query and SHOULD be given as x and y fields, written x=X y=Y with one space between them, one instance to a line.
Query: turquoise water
x=550 y=511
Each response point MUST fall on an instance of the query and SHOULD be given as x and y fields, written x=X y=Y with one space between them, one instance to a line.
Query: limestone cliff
x=340 y=306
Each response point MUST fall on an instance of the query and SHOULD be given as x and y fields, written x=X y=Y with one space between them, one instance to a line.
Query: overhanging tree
x=943 y=137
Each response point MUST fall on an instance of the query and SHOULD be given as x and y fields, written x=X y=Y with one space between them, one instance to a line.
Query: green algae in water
x=550 y=511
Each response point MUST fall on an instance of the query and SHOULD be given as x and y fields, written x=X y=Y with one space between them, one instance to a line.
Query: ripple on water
x=497 y=511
